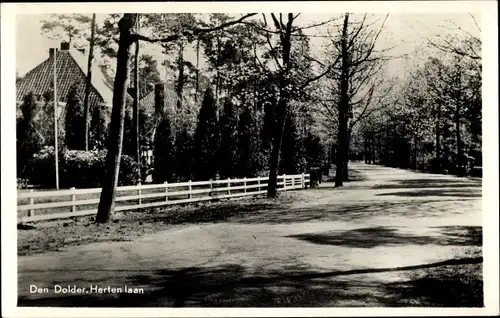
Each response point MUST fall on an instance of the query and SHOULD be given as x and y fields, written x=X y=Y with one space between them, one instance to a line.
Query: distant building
x=71 y=68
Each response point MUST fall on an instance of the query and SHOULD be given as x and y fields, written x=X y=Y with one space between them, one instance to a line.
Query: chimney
x=64 y=46
x=51 y=52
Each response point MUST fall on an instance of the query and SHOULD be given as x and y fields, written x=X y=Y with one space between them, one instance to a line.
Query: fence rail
x=61 y=204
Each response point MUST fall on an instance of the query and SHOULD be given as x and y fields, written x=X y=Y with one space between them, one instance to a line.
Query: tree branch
x=195 y=31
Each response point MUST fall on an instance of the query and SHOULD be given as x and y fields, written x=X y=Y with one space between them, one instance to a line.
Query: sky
x=406 y=32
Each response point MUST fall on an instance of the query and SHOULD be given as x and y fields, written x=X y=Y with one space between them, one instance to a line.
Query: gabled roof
x=71 y=68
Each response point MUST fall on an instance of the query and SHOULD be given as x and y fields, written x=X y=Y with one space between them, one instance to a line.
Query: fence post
x=284 y=182
x=258 y=183
x=302 y=181
x=166 y=190
x=211 y=185
x=293 y=182
x=140 y=193
x=245 y=184
x=32 y=201
x=73 y=199
x=228 y=186
x=189 y=189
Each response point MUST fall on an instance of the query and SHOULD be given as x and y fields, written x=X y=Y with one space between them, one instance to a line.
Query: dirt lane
x=332 y=247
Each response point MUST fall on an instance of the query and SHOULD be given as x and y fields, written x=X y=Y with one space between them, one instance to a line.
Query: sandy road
x=334 y=247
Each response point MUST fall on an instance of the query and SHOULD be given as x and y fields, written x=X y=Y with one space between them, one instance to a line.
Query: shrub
x=77 y=168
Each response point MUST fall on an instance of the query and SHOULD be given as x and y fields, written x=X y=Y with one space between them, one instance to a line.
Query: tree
x=228 y=125
x=249 y=160
x=314 y=151
x=183 y=155
x=354 y=83
x=292 y=160
x=75 y=120
x=287 y=81
x=28 y=137
x=98 y=128
x=88 y=82
x=112 y=166
x=163 y=152
x=206 y=139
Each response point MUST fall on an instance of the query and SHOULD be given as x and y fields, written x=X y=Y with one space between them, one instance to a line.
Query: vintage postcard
x=194 y=159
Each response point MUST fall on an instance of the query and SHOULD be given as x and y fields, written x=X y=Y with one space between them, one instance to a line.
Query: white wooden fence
x=58 y=204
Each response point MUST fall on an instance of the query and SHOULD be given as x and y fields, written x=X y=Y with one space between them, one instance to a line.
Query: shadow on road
x=430 y=183
x=382 y=235
x=435 y=192
x=249 y=213
x=443 y=284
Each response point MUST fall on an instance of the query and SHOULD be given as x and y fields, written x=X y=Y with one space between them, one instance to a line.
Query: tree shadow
x=276 y=213
x=435 y=192
x=430 y=183
x=382 y=235
x=289 y=286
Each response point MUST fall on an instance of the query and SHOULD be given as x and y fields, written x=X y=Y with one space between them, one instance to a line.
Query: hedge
x=77 y=168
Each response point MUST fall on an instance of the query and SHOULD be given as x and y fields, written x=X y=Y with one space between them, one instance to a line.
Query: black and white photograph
x=212 y=157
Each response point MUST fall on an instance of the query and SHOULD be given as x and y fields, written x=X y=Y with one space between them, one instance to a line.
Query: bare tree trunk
x=135 y=108
x=415 y=152
x=197 y=70
x=88 y=82
x=281 y=111
x=438 y=138
x=365 y=149
x=343 y=109
x=115 y=139
x=180 y=79
x=372 y=149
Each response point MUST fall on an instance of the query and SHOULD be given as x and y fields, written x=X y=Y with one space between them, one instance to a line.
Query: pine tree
x=314 y=151
x=29 y=139
x=98 y=128
x=249 y=159
x=292 y=158
x=183 y=156
x=128 y=142
x=228 y=153
x=206 y=139
x=74 y=121
x=266 y=134
x=163 y=152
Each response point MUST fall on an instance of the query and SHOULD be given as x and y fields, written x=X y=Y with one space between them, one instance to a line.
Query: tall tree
x=75 y=120
x=28 y=136
x=293 y=160
x=228 y=153
x=163 y=152
x=249 y=161
x=135 y=106
x=112 y=167
x=88 y=83
x=206 y=139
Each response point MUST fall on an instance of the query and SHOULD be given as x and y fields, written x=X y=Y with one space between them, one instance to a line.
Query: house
x=71 y=68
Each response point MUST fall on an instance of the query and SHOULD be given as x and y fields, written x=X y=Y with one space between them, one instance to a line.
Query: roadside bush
x=77 y=168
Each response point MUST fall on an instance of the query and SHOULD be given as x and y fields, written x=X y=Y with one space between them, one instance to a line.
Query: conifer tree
x=74 y=121
x=206 y=139
x=249 y=159
x=292 y=159
x=29 y=140
x=183 y=156
x=163 y=152
x=228 y=153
